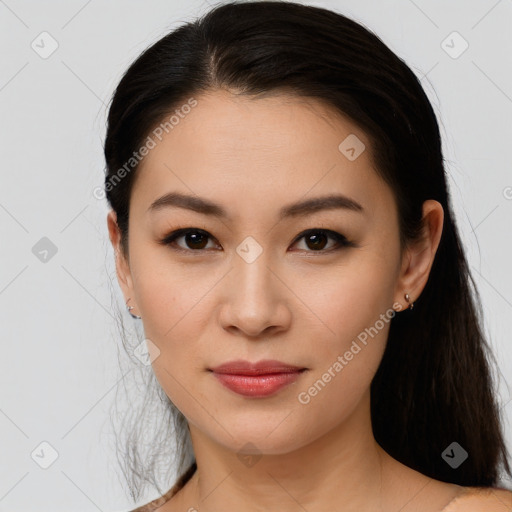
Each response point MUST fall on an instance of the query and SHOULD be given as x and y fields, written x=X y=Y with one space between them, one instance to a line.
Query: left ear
x=419 y=255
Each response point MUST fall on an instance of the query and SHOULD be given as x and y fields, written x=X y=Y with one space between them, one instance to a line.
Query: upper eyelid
x=178 y=233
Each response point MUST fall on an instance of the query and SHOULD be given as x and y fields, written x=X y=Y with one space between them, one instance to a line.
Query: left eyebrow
x=317 y=204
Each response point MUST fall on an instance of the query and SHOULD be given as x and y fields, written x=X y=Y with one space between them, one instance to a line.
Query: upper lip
x=264 y=367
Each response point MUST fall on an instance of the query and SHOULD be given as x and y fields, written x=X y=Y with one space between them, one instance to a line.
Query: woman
x=282 y=226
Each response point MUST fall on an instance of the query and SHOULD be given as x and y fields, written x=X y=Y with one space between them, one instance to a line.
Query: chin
x=248 y=444
x=269 y=436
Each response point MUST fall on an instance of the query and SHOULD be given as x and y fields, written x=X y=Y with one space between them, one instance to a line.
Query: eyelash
x=342 y=241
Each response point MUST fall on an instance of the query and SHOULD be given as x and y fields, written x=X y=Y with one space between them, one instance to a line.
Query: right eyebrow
x=194 y=203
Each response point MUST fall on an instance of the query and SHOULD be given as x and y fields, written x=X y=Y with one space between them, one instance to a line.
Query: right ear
x=122 y=267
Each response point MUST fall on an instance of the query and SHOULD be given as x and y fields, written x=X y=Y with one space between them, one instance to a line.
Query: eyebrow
x=298 y=209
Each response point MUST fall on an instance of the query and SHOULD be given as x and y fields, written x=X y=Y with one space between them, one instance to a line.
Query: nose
x=255 y=300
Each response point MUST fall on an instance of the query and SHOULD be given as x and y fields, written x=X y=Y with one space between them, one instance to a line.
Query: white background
x=59 y=368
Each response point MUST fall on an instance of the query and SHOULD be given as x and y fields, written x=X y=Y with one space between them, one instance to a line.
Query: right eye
x=195 y=239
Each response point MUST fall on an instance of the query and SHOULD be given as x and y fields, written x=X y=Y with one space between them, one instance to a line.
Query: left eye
x=315 y=239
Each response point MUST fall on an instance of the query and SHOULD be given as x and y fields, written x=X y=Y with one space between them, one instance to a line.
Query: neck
x=345 y=464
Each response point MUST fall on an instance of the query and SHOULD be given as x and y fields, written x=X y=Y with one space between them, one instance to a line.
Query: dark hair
x=434 y=385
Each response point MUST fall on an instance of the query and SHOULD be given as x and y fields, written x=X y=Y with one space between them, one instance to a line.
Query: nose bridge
x=252 y=304
x=252 y=273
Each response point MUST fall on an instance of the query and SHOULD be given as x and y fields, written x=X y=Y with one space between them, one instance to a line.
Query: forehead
x=224 y=123
x=273 y=148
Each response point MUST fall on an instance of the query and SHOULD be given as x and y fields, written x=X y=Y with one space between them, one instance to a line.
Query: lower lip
x=257 y=385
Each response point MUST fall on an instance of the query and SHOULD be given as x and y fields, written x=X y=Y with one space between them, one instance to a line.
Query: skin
x=294 y=303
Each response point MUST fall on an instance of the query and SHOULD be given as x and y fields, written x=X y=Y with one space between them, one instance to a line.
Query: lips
x=259 y=379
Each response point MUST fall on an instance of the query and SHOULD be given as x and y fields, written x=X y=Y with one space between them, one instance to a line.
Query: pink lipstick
x=260 y=379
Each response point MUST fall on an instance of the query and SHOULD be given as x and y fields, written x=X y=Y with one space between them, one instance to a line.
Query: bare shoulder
x=481 y=499
x=161 y=504
x=419 y=493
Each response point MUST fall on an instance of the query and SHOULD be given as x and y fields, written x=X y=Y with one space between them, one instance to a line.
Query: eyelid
x=170 y=238
x=341 y=240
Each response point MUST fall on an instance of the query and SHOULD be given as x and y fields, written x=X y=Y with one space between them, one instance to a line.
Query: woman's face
x=260 y=282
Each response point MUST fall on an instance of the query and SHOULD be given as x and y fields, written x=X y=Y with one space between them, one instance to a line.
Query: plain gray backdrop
x=60 y=62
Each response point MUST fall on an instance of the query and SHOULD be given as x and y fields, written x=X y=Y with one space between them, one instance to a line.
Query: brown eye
x=194 y=239
x=316 y=240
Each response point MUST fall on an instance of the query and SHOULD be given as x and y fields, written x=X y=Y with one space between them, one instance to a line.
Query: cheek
x=353 y=311
x=174 y=303
x=170 y=296
x=357 y=310
x=175 y=320
x=345 y=299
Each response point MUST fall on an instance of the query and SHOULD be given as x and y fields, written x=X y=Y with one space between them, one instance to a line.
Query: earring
x=408 y=299
x=129 y=308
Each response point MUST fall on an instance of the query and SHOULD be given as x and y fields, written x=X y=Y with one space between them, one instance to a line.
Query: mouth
x=258 y=380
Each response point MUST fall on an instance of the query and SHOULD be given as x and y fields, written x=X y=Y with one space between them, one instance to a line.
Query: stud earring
x=129 y=308
x=408 y=299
